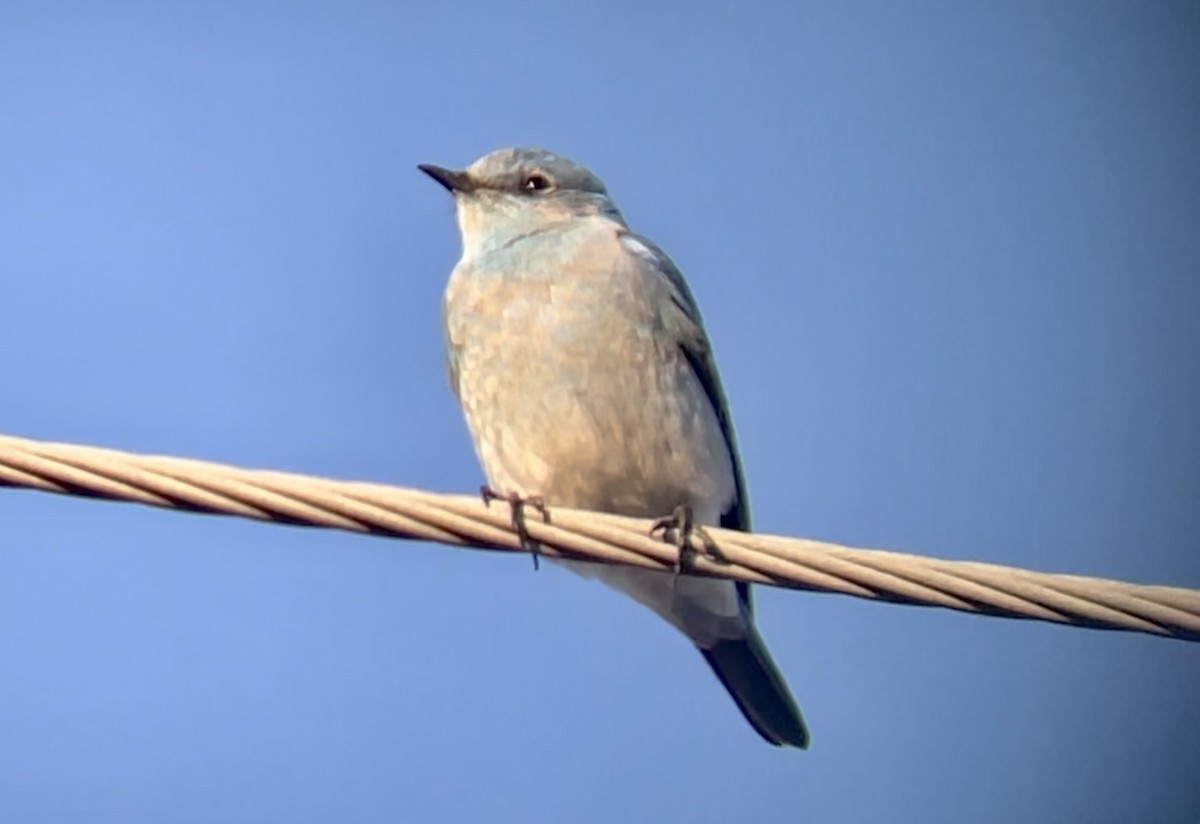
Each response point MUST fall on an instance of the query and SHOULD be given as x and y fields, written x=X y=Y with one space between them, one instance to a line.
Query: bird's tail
x=746 y=669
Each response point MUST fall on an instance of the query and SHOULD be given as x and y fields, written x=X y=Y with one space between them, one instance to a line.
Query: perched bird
x=579 y=357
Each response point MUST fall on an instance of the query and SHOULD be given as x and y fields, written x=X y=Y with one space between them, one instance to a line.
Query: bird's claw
x=679 y=528
x=517 y=504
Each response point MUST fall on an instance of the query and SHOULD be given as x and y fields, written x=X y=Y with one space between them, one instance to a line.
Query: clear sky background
x=948 y=253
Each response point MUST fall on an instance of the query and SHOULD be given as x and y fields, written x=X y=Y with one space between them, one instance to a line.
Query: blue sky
x=949 y=257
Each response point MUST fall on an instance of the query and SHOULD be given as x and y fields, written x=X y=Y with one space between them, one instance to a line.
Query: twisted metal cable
x=301 y=500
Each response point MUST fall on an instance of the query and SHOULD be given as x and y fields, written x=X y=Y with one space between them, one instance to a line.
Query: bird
x=580 y=360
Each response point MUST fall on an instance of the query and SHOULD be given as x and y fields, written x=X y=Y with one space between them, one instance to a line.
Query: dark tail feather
x=747 y=671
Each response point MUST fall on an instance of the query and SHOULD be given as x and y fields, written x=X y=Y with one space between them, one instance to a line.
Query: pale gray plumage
x=579 y=357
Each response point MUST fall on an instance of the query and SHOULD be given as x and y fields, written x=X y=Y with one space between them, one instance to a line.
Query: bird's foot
x=679 y=528
x=517 y=504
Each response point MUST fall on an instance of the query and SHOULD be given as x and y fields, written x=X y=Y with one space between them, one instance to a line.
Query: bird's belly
x=598 y=414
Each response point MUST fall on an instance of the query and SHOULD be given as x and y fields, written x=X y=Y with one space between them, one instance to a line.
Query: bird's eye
x=536 y=182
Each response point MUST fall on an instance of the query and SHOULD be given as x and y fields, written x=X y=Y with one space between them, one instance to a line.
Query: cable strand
x=465 y=521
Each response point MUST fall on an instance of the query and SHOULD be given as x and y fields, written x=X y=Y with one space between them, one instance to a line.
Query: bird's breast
x=573 y=391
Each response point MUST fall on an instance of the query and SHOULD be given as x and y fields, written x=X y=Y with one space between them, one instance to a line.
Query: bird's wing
x=452 y=348
x=682 y=319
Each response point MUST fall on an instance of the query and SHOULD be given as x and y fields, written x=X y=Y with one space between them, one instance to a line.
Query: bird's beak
x=453 y=181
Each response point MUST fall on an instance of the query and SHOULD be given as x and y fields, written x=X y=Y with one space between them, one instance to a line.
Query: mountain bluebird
x=578 y=354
